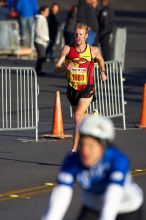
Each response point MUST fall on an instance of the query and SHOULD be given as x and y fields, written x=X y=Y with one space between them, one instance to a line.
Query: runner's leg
x=79 y=112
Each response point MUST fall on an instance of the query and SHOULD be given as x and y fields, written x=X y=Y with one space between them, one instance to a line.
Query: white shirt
x=41 y=30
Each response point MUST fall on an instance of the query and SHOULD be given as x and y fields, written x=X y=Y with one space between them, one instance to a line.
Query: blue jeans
x=41 y=51
x=91 y=37
x=27 y=26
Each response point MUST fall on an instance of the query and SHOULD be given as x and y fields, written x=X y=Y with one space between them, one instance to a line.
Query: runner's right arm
x=62 y=193
x=59 y=202
x=59 y=64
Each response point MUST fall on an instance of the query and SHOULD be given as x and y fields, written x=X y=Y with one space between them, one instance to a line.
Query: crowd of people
x=96 y=14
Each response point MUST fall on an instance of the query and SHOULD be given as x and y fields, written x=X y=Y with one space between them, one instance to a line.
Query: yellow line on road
x=29 y=192
x=35 y=188
x=138 y=172
x=26 y=193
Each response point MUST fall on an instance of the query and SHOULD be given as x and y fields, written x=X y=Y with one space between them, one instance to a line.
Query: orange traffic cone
x=142 y=123
x=57 y=127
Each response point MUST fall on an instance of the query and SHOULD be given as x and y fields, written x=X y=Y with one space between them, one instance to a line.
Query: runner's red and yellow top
x=82 y=73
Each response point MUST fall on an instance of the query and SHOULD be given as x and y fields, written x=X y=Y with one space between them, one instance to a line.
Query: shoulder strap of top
x=72 y=51
x=90 y=52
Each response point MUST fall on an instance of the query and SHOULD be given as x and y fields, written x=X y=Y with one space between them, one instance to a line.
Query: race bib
x=78 y=76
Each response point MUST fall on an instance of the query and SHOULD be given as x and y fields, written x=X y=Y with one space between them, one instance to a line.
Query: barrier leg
x=124 y=122
x=36 y=134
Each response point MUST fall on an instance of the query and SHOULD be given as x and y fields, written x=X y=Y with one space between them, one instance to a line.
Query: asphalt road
x=26 y=167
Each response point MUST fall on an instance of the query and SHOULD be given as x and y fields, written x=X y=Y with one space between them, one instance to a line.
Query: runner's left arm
x=112 y=202
x=97 y=55
x=115 y=190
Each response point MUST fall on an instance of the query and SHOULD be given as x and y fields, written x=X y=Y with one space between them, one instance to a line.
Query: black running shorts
x=74 y=95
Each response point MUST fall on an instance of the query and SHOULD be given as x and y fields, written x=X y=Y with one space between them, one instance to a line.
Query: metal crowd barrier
x=19 y=99
x=9 y=36
x=60 y=36
x=110 y=93
x=120 y=46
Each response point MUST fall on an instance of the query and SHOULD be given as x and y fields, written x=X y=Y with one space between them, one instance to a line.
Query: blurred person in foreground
x=87 y=15
x=27 y=10
x=70 y=25
x=78 y=62
x=102 y=170
x=105 y=19
x=53 y=24
x=41 y=38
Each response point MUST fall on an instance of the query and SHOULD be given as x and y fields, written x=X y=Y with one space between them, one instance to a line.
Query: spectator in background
x=97 y=6
x=70 y=25
x=81 y=16
x=4 y=11
x=27 y=10
x=106 y=29
x=41 y=39
x=87 y=15
x=53 y=24
x=12 y=4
